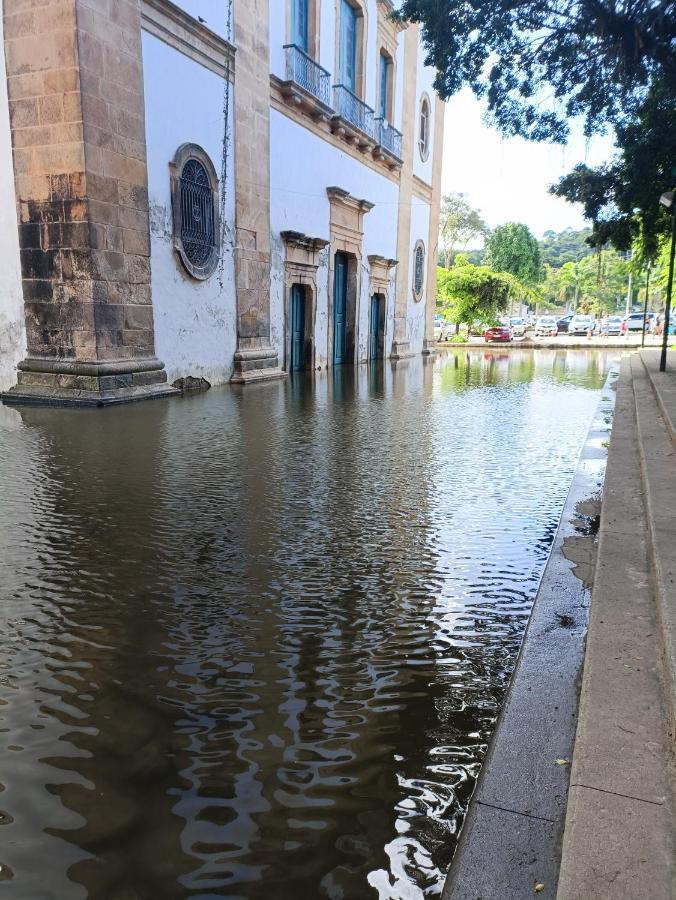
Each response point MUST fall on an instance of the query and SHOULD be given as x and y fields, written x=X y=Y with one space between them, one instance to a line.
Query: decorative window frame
x=424 y=148
x=185 y=153
x=418 y=294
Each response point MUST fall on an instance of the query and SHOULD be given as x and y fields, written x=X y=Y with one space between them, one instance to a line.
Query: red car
x=500 y=333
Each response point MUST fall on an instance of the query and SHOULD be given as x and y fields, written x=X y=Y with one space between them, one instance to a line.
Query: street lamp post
x=645 y=305
x=668 y=199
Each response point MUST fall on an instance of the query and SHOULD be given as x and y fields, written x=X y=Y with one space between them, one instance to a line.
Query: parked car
x=563 y=324
x=546 y=327
x=612 y=325
x=518 y=327
x=635 y=322
x=443 y=331
x=500 y=333
x=580 y=324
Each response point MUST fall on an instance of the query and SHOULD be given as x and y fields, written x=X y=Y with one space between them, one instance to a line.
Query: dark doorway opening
x=344 y=308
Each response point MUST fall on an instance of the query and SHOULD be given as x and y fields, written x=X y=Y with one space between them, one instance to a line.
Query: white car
x=582 y=324
x=612 y=325
x=443 y=331
x=518 y=327
x=546 y=327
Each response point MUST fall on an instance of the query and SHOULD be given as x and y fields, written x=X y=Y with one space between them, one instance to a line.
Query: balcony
x=389 y=140
x=353 y=118
x=307 y=84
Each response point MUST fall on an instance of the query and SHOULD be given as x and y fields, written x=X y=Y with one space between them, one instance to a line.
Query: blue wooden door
x=299 y=24
x=297 y=328
x=340 y=310
x=374 y=326
x=383 y=99
x=348 y=46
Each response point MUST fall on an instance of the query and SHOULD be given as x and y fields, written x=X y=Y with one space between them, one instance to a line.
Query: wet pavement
x=255 y=641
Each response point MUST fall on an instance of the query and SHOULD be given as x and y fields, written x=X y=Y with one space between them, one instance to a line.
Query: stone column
x=429 y=343
x=400 y=344
x=255 y=360
x=75 y=86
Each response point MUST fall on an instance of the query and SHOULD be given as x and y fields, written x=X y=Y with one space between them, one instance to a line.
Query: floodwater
x=254 y=641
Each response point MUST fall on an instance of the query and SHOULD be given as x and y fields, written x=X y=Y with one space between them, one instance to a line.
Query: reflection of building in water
x=152 y=247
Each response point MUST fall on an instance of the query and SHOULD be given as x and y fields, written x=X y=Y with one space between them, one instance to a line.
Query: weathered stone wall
x=12 y=328
x=75 y=91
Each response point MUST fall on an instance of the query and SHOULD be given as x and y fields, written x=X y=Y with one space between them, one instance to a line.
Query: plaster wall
x=415 y=309
x=12 y=326
x=195 y=321
x=423 y=169
x=302 y=166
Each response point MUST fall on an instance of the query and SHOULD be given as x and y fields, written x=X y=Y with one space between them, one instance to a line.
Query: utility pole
x=645 y=305
x=628 y=305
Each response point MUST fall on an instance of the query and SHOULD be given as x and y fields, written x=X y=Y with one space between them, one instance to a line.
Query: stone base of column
x=401 y=350
x=52 y=382
x=256 y=365
x=429 y=348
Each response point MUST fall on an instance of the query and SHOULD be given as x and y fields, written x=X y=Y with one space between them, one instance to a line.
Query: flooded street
x=254 y=641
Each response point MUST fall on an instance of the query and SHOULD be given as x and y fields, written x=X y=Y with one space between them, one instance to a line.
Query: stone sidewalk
x=618 y=840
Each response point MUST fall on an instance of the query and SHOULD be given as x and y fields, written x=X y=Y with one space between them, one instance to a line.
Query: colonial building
x=223 y=189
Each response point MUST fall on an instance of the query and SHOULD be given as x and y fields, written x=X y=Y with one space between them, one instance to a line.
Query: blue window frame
x=383 y=101
x=348 y=46
x=299 y=24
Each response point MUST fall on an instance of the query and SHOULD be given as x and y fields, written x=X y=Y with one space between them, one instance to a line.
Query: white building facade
x=221 y=191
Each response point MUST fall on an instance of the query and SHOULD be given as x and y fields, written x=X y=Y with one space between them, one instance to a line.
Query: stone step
x=655 y=395
x=618 y=839
x=663 y=385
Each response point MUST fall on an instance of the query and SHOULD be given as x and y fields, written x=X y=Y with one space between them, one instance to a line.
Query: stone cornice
x=382 y=261
x=343 y=197
x=302 y=241
x=166 y=21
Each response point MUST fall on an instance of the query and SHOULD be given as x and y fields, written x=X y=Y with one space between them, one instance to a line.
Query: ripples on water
x=255 y=642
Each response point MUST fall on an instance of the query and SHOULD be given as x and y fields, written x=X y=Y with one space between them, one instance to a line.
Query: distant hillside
x=565 y=246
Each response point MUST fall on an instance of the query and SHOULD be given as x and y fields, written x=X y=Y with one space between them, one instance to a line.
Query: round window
x=195 y=205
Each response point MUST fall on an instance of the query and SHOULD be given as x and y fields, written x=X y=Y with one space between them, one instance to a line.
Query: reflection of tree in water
x=489 y=367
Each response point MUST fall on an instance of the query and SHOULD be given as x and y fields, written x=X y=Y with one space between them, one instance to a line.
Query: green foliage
x=565 y=246
x=473 y=293
x=458 y=225
x=595 y=284
x=621 y=197
x=593 y=58
x=512 y=248
x=458 y=339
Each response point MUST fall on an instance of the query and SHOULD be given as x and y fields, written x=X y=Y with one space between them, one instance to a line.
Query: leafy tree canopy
x=458 y=225
x=539 y=63
x=468 y=293
x=513 y=248
x=621 y=196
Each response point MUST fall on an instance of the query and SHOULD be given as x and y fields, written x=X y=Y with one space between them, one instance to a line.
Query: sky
x=507 y=178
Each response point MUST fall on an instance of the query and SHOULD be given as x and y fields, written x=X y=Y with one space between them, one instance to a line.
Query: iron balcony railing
x=305 y=72
x=353 y=110
x=388 y=137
